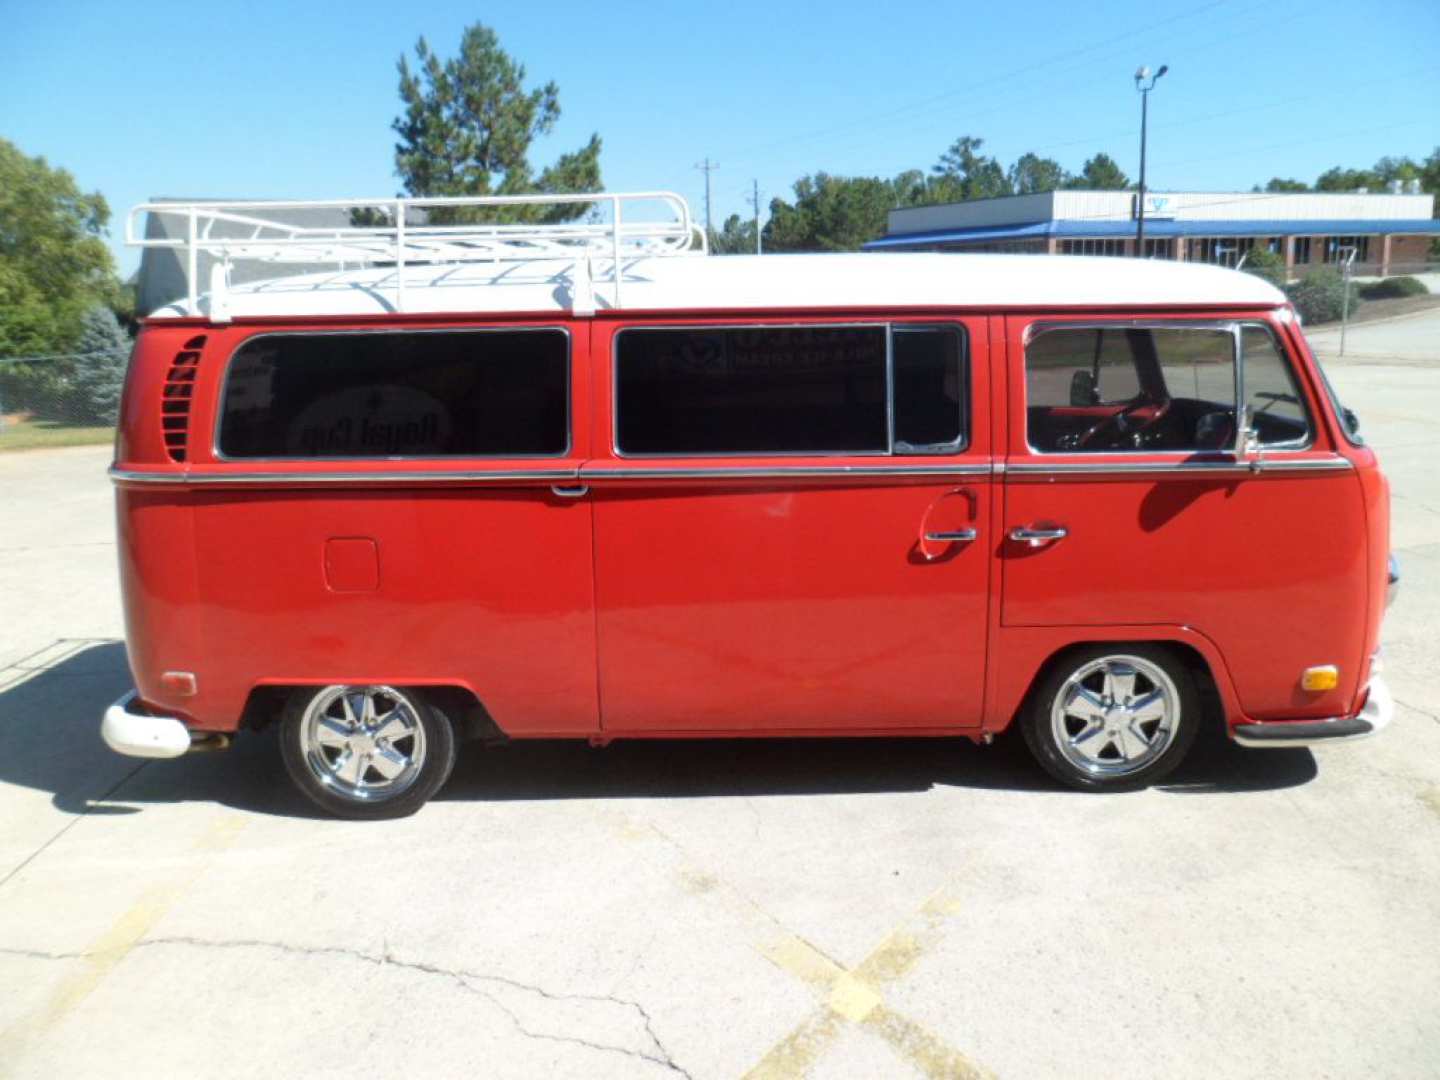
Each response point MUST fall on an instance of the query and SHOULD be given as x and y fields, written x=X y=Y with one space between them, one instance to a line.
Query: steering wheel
x=1131 y=424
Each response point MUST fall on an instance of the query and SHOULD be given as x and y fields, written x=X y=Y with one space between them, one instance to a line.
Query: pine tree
x=99 y=371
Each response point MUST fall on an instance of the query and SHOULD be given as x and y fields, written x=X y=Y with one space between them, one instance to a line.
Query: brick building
x=1389 y=233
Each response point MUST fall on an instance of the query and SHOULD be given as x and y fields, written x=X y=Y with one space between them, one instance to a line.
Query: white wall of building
x=1181 y=205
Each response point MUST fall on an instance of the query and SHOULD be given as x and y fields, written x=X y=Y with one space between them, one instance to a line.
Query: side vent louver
x=177 y=394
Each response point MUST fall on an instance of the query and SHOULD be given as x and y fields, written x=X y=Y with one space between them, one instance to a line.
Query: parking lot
x=859 y=908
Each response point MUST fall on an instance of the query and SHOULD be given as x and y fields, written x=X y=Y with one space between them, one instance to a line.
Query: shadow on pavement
x=50 y=741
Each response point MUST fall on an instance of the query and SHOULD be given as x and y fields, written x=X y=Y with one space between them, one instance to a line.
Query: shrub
x=1319 y=296
x=1394 y=288
x=1267 y=264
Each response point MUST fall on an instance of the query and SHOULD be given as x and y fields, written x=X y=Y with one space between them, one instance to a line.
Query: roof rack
x=403 y=232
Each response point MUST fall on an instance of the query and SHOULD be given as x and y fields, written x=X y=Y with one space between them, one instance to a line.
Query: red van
x=486 y=480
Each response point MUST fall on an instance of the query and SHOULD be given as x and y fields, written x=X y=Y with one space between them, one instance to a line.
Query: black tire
x=1070 y=766
x=427 y=744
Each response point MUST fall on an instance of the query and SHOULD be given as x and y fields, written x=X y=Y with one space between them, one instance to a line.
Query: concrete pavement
x=829 y=909
x=1413 y=338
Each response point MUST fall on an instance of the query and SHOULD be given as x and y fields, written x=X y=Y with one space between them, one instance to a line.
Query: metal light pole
x=1144 y=87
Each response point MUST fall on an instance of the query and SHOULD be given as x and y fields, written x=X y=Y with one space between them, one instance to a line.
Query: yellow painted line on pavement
x=854 y=997
x=103 y=954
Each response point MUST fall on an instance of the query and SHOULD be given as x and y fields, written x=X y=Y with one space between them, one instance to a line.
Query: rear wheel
x=1112 y=717
x=366 y=751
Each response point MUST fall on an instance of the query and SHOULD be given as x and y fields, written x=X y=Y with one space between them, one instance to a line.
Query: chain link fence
x=65 y=399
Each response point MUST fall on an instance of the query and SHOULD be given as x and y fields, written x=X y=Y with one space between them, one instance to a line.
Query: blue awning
x=1159 y=228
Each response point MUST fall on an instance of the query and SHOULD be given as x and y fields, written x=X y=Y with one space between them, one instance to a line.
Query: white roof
x=747 y=283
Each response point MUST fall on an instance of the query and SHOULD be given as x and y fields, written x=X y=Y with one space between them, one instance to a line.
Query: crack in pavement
x=659 y=1055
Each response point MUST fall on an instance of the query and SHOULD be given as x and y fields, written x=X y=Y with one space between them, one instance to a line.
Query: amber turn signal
x=1326 y=677
x=178 y=683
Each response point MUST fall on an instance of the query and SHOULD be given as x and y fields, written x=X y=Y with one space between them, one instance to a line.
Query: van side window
x=789 y=390
x=383 y=394
x=929 y=387
x=1277 y=409
x=1119 y=388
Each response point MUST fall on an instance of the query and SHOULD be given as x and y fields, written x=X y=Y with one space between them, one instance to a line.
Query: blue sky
x=265 y=99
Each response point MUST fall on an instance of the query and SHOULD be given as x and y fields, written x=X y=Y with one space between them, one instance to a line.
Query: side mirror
x=1083 y=390
x=1352 y=422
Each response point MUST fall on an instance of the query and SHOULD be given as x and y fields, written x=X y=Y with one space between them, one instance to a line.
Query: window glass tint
x=428 y=394
x=1124 y=388
x=1277 y=409
x=752 y=390
x=929 y=389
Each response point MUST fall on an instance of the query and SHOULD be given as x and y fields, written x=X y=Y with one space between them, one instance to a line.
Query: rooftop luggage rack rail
x=396 y=233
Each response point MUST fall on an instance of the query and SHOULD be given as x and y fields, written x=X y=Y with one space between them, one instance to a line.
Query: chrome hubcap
x=363 y=742
x=1115 y=715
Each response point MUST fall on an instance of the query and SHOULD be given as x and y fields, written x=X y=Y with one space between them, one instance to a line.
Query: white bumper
x=139 y=735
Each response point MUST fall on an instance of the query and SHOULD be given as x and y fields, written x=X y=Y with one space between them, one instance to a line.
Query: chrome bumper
x=1379 y=710
x=138 y=734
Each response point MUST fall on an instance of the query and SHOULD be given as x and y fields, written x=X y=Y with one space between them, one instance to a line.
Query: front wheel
x=366 y=752
x=1113 y=718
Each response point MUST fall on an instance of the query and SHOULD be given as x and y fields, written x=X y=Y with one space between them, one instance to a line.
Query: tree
x=1100 y=173
x=53 y=262
x=468 y=126
x=1279 y=183
x=98 y=376
x=1031 y=174
x=1342 y=179
x=834 y=213
x=736 y=237
x=967 y=174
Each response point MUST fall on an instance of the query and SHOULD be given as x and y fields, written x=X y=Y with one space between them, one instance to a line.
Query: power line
x=1046 y=64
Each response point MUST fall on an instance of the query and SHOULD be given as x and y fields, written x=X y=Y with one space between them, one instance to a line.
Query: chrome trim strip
x=1271 y=465
x=549 y=476
x=136 y=476
x=783 y=472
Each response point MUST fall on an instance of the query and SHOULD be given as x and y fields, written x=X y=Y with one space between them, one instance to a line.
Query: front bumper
x=1379 y=710
x=126 y=730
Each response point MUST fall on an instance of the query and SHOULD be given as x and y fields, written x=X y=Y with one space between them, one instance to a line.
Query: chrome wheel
x=1115 y=715
x=364 y=743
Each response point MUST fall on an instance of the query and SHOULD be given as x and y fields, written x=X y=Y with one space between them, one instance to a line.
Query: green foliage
x=964 y=173
x=1279 y=183
x=1393 y=288
x=736 y=237
x=1267 y=264
x=1031 y=175
x=1319 y=296
x=468 y=126
x=1100 y=173
x=99 y=371
x=1341 y=179
x=53 y=262
x=833 y=213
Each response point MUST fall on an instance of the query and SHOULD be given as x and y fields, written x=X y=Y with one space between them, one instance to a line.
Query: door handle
x=1027 y=534
x=570 y=491
x=954 y=536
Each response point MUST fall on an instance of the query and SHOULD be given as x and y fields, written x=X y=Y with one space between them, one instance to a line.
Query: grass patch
x=28 y=433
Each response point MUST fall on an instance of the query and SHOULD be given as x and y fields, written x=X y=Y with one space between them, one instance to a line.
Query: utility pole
x=707 y=167
x=755 y=204
x=1140 y=85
